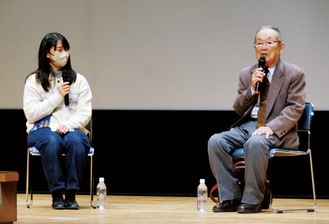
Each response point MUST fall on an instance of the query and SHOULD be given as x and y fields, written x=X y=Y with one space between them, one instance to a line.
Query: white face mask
x=60 y=59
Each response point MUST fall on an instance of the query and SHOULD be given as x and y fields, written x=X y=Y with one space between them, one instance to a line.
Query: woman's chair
x=33 y=151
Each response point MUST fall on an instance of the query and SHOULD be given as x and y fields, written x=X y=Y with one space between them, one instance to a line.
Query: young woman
x=57 y=106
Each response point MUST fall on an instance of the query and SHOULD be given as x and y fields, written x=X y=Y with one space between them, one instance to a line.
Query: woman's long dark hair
x=44 y=68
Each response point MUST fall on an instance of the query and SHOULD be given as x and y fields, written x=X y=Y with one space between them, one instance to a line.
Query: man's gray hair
x=276 y=29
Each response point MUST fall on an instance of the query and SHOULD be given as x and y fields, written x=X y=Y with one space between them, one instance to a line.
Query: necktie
x=261 y=120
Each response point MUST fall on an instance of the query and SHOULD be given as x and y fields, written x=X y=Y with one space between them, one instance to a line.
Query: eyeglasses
x=259 y=44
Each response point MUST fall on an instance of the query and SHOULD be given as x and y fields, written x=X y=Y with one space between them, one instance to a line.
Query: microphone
x=65 y=77
x=261 y=64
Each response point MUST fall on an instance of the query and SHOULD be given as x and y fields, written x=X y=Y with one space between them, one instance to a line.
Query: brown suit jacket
x=285 y=101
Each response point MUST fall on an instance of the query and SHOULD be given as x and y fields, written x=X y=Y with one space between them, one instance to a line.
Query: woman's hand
x=64 y=89
x=62 y=129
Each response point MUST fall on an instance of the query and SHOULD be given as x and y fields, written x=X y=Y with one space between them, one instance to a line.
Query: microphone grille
x=261 y=62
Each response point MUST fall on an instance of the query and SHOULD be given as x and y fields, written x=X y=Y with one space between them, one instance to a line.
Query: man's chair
x=304 y=132
x=33 y=151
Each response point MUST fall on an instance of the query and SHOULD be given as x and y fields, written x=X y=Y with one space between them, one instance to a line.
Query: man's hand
x=263 y=131
x=257 y=76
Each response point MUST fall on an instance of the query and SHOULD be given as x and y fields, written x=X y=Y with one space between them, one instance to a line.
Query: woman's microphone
x=65 y=77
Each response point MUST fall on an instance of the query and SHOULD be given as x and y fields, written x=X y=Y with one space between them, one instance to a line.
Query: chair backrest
x=304 y=122
x=89 y=127
x=304 y=126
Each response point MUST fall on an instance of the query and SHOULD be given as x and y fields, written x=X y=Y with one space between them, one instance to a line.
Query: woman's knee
x=50 y=140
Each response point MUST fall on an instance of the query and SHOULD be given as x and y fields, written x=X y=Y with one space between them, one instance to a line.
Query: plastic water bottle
x=101 y=194
x=202 y=194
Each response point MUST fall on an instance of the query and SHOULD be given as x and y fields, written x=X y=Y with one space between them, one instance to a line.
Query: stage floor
x=156 y=209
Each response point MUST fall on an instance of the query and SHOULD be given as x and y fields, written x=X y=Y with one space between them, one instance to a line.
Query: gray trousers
x=220 y=149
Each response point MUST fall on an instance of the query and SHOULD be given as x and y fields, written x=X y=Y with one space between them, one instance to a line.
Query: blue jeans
x=75 y=144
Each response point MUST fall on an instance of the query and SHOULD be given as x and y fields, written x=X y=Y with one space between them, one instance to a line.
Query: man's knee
x=214 y=141
x=255 y=142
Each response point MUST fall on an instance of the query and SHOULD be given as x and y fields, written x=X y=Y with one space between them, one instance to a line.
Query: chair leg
x=91 y=183
x=29 y=200
x=313 y=182
x=311 y=209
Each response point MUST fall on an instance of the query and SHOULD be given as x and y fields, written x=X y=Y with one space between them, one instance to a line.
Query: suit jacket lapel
x=276 y=84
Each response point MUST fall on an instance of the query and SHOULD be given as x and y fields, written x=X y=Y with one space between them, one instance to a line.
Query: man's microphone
x=65 y=77
x=261 y=64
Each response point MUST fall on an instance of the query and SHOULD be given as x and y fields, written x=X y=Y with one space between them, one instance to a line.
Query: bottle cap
x=101 y=179
x=202 y=181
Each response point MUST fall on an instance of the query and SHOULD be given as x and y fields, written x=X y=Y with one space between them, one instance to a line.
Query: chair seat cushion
x=239 y=152
x=35 y=152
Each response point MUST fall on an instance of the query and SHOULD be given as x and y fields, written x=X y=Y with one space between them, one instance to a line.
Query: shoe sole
x=217 y=211
x=225 y=210
x=72 y=208
x=257 y=210
x=58 y=208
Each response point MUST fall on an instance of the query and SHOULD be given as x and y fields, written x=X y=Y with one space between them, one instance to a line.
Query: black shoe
x=58 y=203
x=71 y=203
x=246 y=208
x=227 y=206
